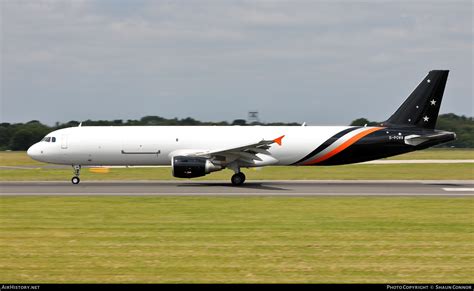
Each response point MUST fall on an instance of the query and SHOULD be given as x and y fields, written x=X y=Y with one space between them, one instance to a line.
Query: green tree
x=239 y=122
x=152 y=120
x=6 y=133
x=362 y=122
x=26 y=135
x=22 y=139
x=189 y=121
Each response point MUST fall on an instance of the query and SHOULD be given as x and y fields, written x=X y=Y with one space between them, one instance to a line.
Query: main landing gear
x=238 y=179
x=77 y=171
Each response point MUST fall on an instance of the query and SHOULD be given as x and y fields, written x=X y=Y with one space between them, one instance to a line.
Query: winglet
x=278 y=140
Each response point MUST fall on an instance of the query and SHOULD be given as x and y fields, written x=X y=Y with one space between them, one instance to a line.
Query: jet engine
x=192 y=167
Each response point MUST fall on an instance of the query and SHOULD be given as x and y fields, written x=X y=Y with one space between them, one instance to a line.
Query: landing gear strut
x=77 y=171
x=238 y=179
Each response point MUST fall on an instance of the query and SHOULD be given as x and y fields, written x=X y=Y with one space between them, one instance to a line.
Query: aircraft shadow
x=258 y=186
x=445 y=184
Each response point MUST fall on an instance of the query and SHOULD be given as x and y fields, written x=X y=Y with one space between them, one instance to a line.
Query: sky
x=319 y=62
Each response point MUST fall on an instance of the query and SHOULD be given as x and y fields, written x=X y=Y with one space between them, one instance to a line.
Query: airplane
x=195 y=151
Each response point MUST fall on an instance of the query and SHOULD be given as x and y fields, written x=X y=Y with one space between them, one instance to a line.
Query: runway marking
x=233 y=194
x=19 y=168
x=253 y=189
x=389 y=162
x=459 y=189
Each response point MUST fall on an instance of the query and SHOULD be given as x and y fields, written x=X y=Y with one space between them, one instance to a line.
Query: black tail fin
x=422 y=106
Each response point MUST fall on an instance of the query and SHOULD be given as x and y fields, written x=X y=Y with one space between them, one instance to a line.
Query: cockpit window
x=53 y=139
x=47 y=139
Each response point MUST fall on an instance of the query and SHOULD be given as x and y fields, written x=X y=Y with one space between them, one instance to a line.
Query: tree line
x=20 y=136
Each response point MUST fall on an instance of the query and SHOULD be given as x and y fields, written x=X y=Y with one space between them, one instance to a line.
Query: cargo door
x=143 y=151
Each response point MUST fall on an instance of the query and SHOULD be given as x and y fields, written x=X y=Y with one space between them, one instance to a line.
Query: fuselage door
x=64 y=141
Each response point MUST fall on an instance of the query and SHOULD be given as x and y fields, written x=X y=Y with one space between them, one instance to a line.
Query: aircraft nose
x=34 y=152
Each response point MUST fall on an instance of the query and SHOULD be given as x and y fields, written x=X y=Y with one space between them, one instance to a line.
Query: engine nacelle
x=192 y=167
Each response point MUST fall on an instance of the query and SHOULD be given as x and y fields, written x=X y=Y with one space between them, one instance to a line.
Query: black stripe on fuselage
x=327 y=143
x=381 y=144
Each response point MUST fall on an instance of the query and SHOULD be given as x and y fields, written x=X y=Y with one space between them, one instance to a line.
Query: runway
x=376 y=162
x=250 y=188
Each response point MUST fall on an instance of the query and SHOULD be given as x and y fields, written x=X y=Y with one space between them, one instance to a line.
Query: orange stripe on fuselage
x=343 y=146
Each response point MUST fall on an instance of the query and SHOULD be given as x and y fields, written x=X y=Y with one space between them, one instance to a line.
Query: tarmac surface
x=250 y=188
x=376 y=162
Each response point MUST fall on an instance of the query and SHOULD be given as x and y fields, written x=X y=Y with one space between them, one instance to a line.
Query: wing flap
x=254 y=153
x=259 y=147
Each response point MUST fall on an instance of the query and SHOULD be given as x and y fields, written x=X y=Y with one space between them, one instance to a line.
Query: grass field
x=459 y=171
x=208 y=239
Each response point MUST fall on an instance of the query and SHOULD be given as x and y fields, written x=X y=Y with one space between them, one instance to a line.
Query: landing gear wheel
x=243 y=176
x=77 y=171
x=75 y=180
x=238 y=179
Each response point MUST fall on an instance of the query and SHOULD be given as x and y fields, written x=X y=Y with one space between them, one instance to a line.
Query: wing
x=255 y=153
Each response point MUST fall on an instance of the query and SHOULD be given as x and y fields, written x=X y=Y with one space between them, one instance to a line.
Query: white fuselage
x=156 y=145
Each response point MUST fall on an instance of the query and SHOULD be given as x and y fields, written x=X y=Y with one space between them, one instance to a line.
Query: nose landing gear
x=77 y=171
